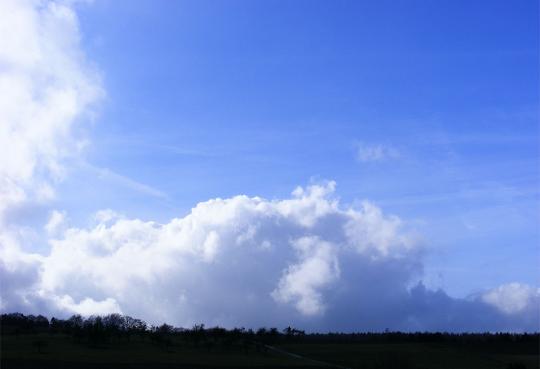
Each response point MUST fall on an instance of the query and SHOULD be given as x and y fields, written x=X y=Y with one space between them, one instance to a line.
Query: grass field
x=62 y=351
x=415 y=355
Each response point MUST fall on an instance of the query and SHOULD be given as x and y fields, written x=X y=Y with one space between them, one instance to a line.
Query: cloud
x=288 y=241
x=512 y=298
x=47 y=87
x=88 y=306
x=126 y=182
x=228 y=260
x=375 y=152
x=306 y=260
x=302 y=282
x=56 y=221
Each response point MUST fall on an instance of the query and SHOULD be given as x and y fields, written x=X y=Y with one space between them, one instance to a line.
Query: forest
x=115 y=340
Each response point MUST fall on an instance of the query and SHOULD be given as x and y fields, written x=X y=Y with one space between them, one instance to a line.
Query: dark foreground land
x=122 y=342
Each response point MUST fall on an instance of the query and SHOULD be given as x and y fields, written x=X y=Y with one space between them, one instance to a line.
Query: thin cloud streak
x=109 y=175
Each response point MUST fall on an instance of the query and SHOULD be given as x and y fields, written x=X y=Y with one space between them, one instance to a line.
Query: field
x=62 y=351
x=418 y=355
x=58 y=350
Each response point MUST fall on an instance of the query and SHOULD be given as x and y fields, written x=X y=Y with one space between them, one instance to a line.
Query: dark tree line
x=101 y=330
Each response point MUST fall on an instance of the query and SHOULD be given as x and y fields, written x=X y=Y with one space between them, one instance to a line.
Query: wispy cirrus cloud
x=375 y=152
x=111 y=176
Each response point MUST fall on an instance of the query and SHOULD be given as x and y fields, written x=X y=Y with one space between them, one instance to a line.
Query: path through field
x=296 y=356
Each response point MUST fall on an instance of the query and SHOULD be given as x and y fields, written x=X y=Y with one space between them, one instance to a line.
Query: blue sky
x=428 y=110
x=213 y=99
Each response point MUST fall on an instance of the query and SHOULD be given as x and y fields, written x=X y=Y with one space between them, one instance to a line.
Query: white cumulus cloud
x=47 y=86
x=229 y=260
x=512 y=298
x=284 y=258
x=56 y=222
x=303 y=281
x=248 y=261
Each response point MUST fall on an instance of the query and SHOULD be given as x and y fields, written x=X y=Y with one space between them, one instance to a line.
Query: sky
x=331 y=165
